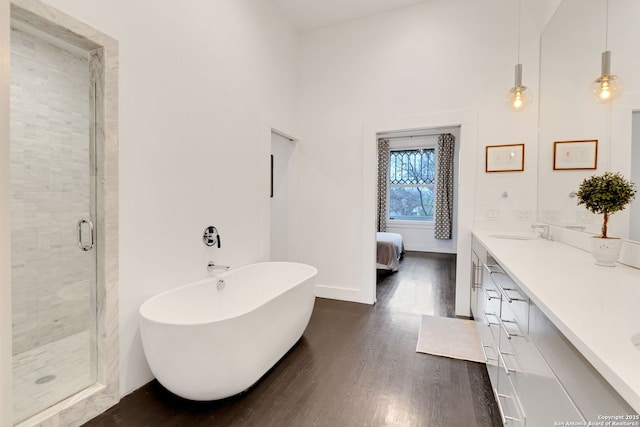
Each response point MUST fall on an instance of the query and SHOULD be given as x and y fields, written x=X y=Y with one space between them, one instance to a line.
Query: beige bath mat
x=445 y=336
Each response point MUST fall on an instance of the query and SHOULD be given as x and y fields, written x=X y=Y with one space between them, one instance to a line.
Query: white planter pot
x=606 y=251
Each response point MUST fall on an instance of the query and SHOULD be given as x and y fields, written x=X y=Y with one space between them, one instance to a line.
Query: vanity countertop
x=596 y=308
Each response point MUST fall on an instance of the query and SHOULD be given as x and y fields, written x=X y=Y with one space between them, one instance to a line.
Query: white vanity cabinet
x=526 y=388
x=565 y=328
x=587 y=388
x=528 y=391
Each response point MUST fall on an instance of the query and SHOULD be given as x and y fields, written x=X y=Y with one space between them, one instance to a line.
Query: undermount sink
x=515 y=236
x=635 y=340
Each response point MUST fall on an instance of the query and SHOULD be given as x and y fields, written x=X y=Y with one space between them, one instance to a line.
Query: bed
x=389 y=251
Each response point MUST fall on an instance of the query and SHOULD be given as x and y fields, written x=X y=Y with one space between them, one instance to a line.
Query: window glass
x=411 y=184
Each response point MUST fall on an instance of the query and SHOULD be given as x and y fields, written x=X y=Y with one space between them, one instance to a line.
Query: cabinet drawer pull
x=496 y=269
x=502 y=414
x=508 y=297
x=504 y=328
x=506 y=368
x=493 y=269
x=504 y=293
x=486 y=316
x=495 y=295
x=484 y=353
x=497 y=396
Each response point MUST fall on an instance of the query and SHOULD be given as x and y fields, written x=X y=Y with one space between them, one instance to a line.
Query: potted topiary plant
x=606 y=194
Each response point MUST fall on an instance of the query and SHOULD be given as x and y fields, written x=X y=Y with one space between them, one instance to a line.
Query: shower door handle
x=80 y=234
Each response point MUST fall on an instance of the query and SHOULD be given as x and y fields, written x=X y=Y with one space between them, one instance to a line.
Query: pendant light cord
x=606 y=28
x=519 y=19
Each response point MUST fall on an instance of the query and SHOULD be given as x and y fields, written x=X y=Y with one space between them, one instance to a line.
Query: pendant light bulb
x=519 y=96
x=607 y=87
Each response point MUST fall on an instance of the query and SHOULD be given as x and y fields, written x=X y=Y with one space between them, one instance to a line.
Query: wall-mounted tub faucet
x=211 y=236
x=220 y=284
x=211 y=266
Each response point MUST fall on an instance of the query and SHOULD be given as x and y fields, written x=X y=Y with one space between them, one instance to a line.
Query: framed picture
x=504 y=158
x=575 y=155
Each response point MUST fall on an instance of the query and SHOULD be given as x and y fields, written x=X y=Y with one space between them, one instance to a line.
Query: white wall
x=541 y=11
x=5 y=226
x=424 y=60
x=201 y=85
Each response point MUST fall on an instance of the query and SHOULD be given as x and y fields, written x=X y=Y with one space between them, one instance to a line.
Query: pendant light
x=519 y=96
x=607 y=87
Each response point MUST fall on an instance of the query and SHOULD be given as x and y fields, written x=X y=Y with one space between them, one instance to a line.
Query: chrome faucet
x=546 y=231
x=220 y=284
x=211 y=266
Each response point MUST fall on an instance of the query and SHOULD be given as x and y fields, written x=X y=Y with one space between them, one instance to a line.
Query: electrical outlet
x=493 y=214
x=524 y=215
x=549 y=216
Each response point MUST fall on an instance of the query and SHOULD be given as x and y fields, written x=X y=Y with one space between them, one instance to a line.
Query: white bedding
x=390 y=248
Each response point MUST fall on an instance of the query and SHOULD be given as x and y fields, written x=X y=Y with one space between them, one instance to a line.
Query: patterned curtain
x=383 y=178
x=444 y=187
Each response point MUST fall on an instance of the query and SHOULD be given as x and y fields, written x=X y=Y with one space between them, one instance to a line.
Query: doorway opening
x=283 y=244
x=414 y=207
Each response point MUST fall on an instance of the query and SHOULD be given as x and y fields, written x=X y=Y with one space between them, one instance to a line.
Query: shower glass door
x=53 y=216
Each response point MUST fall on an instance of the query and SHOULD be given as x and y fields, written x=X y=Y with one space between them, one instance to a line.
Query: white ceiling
x=311 y=14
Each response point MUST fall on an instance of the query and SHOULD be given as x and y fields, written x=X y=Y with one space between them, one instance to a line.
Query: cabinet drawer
x=513 y=299
x=509 y=404
x=493 y=297
x=490 y=352
x=515 y=325
x=592 y=394
x=515 y=310
x=493 y=323
x=493 y=300
x=542 y=396
x=491 y=307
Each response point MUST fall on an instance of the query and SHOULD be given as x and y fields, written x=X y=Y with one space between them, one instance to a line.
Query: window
x=412 y=175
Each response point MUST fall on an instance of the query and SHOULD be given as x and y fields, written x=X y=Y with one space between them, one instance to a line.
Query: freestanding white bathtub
x=205 y=343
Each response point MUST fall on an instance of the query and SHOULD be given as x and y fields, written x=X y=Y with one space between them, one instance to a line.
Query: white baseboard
x=429 y=248
x=343 y=294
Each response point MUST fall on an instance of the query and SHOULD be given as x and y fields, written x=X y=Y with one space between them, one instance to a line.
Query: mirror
x=634 y=224
x=571 y=49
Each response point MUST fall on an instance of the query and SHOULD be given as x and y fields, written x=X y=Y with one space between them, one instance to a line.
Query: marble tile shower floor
x=68 y=360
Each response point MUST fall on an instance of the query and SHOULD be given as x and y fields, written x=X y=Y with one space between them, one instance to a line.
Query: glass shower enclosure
x=53 y=210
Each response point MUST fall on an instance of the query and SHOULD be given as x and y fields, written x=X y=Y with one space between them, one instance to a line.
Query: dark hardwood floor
x=356 y=365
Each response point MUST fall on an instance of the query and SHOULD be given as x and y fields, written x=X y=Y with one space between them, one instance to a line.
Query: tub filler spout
x=212 y=266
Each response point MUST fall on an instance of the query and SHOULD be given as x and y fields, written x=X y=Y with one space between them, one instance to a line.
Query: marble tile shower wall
x=50 y=168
